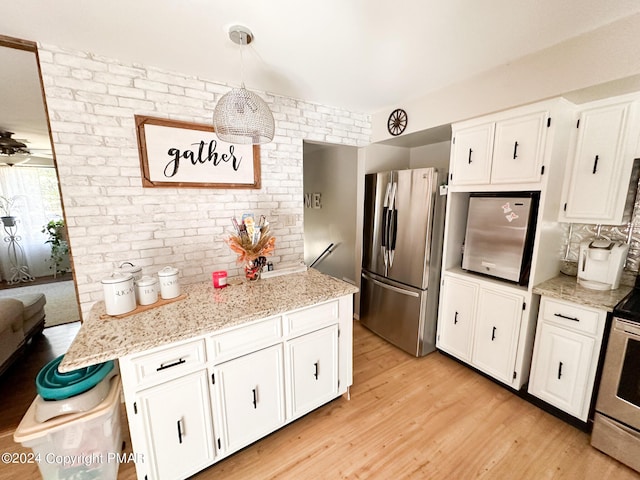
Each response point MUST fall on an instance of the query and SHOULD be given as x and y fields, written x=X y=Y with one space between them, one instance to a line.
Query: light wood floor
x=408 y=418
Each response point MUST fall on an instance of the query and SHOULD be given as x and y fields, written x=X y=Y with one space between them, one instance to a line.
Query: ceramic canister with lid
x=119 y=293
x=128 y=267
x=147 y=290
x=169 y=286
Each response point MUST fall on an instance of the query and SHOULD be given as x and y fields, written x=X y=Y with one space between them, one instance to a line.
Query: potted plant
x=56 y=231
x=8 y=220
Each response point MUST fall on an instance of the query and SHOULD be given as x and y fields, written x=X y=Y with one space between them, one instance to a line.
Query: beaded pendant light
x=242 y=116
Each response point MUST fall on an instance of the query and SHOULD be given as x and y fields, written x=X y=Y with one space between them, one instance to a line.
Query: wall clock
x=397 y=122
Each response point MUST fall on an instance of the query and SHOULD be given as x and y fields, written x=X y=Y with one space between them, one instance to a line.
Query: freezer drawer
x=397 y=314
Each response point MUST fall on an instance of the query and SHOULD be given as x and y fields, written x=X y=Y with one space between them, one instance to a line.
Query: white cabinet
x=457 y=313
x=496 y=333
x=251 y=396
x=313 y=369
x=502 y=149
x=479 y=323
x=518 y=152
x=599 y=169
x=194 y=402
x=565 y=356
x=177 y=424
x=471 y=154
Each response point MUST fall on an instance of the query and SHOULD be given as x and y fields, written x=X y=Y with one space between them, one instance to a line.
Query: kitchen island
x=211 y=373
x=205 y=310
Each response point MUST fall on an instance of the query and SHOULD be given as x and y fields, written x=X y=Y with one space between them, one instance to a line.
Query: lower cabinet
x=251 y=395
x=457 y=315
x=313 y=369
x=496 y=331
x=565 y=355
x=178 y=428
x=192 y=403
x=480 y=324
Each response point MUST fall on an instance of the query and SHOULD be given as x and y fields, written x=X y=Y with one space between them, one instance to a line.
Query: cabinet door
x=457 y=311
x=518 y=150
x=178 y=426
x=252 y=396
x=596 y=187
x=496 y=333
x=314 y=369
x=471 y=155
x=560 y=370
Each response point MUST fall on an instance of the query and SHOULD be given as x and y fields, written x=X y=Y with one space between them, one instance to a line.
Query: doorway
x=34 y=253
x=329 y=179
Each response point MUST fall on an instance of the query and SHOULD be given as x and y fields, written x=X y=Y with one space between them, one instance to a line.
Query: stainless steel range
x=616 y=428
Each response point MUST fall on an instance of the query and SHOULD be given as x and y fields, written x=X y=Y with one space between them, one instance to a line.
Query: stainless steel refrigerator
x=401 y=257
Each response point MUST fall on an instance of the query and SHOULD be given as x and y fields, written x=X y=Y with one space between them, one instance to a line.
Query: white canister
x=169 y=286
x=147 y=290
x=119 y=293
x=128 y=267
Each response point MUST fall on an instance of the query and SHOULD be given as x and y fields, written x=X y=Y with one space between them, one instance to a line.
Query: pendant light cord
x=242 y=44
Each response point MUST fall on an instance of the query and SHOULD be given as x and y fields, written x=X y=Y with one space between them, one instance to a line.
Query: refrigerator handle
x=385 y=226
x=393 y=223
x=390 y=287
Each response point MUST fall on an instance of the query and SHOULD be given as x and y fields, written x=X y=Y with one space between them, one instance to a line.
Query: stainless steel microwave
x=500 y=233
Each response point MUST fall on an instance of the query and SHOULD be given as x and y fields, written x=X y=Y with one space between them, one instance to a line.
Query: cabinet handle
x=169 y=365
x=180 y=431
x=455 y=318
x=315 y=374
x=595 y=165
x=573 y=319
x=515 y=150
x=493 y=334
x=470 y=155
x=559 y=370
x=255 y=397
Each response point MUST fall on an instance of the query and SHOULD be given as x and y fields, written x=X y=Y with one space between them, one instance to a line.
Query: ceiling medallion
x=397 y=122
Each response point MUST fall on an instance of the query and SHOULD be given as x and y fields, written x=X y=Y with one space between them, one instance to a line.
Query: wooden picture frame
x=183 y=154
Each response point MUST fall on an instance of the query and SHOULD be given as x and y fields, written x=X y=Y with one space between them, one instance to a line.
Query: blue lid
x=53 y=385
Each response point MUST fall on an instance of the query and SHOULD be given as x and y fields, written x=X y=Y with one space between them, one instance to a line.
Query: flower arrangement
x=252 y=243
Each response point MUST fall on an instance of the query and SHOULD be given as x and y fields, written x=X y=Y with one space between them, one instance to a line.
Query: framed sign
x=184 y=154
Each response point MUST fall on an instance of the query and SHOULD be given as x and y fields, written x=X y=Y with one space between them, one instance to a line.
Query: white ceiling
x=362 y=55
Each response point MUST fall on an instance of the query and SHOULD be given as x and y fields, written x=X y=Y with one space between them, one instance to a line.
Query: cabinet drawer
x=169 y=362
x=246 y=339
x=312 y=318
x=572 y=316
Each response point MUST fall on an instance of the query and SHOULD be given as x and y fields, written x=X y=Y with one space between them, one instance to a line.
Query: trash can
x=73 y=425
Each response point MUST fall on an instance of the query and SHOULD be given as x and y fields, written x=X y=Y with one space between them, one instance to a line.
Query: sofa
x=21 y=318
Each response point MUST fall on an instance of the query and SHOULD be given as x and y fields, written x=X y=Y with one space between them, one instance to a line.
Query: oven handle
x=626 y=327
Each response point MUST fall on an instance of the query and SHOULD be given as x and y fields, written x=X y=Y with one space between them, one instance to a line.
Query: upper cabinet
x=471 y=154
x=599 y=177
x=504 y=149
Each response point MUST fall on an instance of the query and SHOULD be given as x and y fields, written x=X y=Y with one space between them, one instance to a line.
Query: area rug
x=61 y=306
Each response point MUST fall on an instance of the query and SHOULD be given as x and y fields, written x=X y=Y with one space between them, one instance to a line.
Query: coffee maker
x=600 y=263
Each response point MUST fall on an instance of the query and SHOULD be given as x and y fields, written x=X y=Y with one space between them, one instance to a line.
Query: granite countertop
x=204 y=310
x=565 y=287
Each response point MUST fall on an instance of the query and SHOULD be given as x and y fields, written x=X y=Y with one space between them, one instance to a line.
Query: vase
x=252 y=270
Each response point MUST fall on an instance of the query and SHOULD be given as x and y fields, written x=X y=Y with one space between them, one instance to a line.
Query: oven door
x=619 y=396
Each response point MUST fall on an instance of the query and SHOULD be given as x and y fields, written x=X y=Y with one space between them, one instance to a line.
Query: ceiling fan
x=11 y=146
x=15 y=152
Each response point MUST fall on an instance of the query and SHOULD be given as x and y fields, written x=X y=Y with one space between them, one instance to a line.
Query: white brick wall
x=111 y=219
